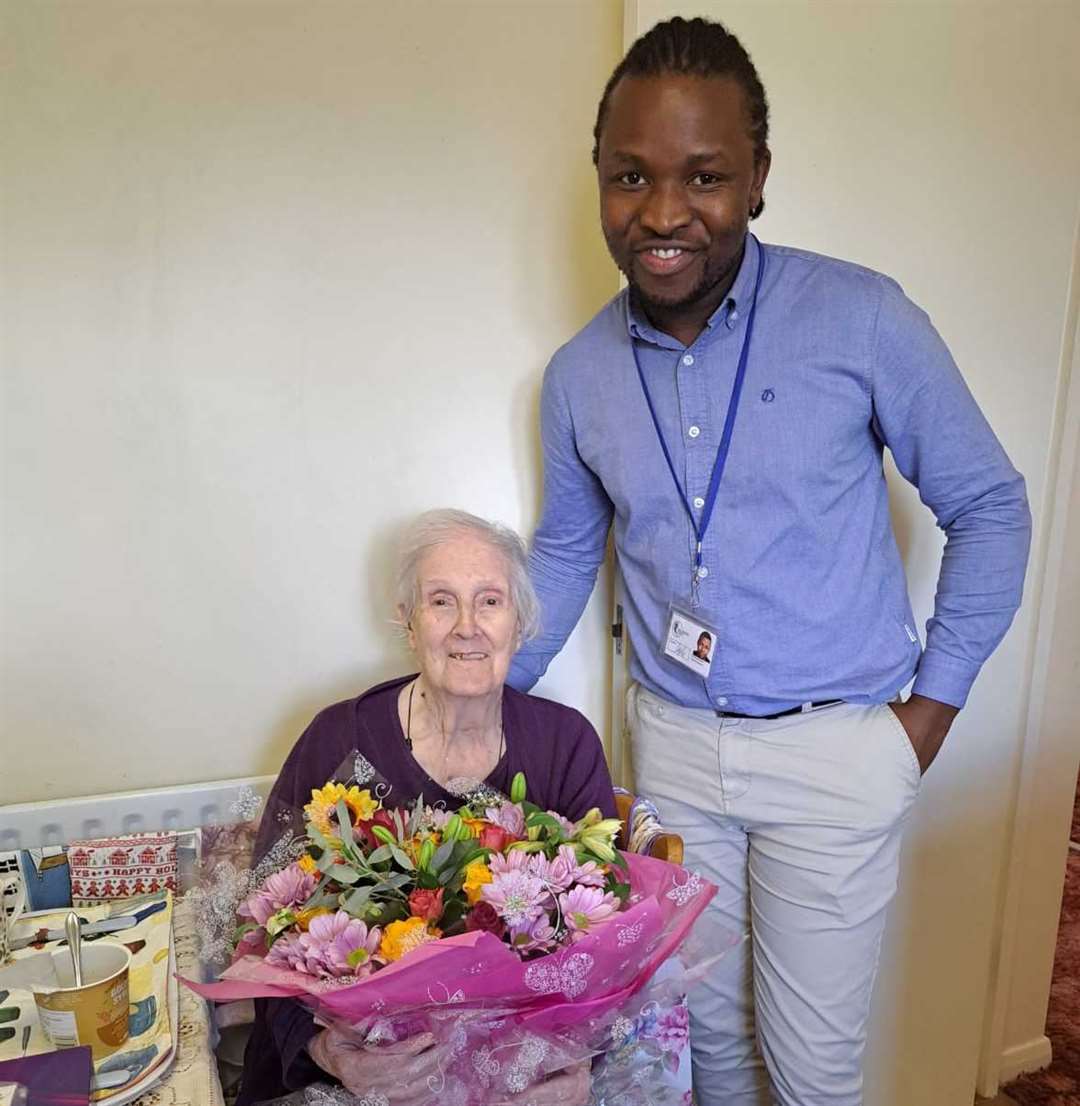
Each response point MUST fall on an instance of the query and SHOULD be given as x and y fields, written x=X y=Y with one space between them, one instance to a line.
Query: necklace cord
x=499 y=753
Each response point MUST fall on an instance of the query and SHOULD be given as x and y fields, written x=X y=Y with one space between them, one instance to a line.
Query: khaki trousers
x=798 y=821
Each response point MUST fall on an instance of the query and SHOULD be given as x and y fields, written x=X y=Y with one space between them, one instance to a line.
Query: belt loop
x=806 y=708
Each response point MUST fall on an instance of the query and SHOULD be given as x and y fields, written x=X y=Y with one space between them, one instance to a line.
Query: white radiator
x=57 y=821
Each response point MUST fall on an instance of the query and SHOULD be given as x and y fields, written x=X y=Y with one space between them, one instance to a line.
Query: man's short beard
x=701 y=291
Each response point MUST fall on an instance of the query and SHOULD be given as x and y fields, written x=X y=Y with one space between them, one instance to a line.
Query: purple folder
x=52 y=1078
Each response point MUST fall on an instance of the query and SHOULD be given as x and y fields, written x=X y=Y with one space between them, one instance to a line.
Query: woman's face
x=465 y=628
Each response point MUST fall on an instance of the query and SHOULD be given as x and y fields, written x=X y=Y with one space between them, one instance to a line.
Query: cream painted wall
x=938 y=143
x=275 y=276
x=1052 y=753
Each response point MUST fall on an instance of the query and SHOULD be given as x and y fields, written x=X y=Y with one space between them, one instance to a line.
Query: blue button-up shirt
x=803 y=580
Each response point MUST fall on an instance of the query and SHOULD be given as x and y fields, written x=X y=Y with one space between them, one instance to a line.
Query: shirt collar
x=728 y=312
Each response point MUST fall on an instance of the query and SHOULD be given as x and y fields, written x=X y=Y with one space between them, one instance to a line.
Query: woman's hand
x=569 y=1087
x=397 y=1072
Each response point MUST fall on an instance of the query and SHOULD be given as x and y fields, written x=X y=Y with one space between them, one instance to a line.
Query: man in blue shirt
x=728 y=412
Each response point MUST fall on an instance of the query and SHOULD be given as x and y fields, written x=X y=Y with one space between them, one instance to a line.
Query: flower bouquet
x=521 y=941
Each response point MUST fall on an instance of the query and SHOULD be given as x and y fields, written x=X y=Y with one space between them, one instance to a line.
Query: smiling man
x=729 y=412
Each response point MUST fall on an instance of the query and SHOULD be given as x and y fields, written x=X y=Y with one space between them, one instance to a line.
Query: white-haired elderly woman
x=465 y=604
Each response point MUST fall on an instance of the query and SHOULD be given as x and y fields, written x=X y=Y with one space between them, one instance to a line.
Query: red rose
x=362 y=830
x=485 y=917
x=426 y=904
x=495 y=838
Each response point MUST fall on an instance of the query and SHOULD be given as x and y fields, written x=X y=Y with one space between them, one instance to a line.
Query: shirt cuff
x=294 y=1031
x=944 y=678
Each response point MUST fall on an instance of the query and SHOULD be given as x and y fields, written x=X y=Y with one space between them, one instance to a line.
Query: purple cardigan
x=554 y=745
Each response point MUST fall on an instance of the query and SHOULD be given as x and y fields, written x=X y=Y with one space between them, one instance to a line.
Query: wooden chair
x=668 y=846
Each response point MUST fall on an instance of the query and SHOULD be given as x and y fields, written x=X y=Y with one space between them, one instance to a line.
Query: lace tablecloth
x=193 y=1078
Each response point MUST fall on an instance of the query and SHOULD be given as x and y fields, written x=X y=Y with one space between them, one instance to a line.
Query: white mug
x=11 y=908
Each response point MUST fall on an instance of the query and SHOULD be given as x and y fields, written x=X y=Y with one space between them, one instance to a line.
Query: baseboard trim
x=1032 y=1055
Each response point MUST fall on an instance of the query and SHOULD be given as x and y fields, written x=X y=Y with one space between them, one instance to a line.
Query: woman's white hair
x=434 y=528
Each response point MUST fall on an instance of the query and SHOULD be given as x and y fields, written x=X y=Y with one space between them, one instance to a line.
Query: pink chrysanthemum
x=516 y=860
x=535 y=936
x=516 y=895
x=557 y=873
x=290 y=887
x=335 y=945
x=583 y=908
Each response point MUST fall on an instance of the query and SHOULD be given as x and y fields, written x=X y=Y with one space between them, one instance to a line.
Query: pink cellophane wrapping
x=568 y=999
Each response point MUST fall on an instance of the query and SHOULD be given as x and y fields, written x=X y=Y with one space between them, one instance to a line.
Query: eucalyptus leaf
x=356 y=901
x=344 y=820
x=442 y=855
x=342 y=873
x=402 y=858
x=380 y=855
x=319 y=839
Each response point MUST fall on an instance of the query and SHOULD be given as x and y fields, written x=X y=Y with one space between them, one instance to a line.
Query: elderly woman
x=466 y=604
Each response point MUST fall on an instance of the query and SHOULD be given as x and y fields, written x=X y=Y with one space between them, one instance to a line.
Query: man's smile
x=664 y=260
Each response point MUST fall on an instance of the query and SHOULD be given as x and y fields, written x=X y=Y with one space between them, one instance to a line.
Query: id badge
x=689 y=641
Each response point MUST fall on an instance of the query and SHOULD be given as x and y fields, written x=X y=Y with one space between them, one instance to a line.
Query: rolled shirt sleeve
x=943 y=445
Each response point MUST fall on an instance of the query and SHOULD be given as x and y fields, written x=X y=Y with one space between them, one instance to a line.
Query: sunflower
x=321 y=811
x=307 y=864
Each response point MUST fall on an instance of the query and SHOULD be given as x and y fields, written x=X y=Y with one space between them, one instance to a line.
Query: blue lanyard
x=720 y=464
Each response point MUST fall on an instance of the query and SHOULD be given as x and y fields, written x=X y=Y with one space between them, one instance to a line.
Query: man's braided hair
x=693 y=48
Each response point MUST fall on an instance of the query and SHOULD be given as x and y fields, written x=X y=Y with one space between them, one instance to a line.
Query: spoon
x=74 y=939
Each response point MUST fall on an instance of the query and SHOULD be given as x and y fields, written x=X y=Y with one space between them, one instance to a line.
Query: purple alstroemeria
x=507 y=816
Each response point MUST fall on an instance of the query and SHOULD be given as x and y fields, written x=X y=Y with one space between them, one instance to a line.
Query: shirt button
x=694 y=431
x=722 y=700
x=703 y=571
x=699 y=502
x=688 y=359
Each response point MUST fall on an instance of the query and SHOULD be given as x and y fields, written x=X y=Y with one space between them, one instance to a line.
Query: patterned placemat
x=151 y=1031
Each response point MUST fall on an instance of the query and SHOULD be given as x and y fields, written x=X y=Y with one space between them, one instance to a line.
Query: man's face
x=678 y=181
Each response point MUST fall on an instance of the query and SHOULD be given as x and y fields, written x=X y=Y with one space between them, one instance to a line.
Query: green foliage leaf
x=620 y=890
x=342 y=873
x=356 y=901
x=442 y=855
x=545 y=821
x=402 y=858
x=344 y=820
